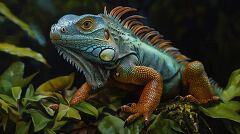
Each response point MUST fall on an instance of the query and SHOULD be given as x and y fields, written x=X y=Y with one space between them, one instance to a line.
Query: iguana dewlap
x=118 y=51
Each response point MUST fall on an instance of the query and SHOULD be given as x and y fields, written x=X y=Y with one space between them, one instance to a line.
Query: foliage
x=29 y=109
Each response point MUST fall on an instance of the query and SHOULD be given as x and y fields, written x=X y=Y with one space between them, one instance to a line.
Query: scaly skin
x=124 y=53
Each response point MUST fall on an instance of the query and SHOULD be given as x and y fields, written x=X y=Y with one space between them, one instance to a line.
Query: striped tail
x=216 y=88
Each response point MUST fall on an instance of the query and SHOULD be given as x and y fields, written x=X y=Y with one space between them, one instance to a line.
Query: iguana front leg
x=81 y=94
x=151 y=93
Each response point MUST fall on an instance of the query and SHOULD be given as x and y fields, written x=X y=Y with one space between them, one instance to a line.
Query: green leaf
x=112 y=125
x=48 y=110
x=58 y=83
x=87 y=108
x=9 y=100
x=14 y=115
x=4 y=105
x=66 y=111
x=22 y=127
x=58 y=124
x=164 y=126
x=8 y=14
x=22 y=52
x=232 y=89
x=49 y=131
x=227 y=110
x=16 y=92
x=30 y=91
x=35 y=98
x=13 y=77
x=73 y=113
x=38 y=119
x=62 y=110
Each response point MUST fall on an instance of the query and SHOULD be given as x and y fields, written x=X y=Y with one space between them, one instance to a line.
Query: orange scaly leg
x=151 y=93
x=81 y=94
x=196 y=80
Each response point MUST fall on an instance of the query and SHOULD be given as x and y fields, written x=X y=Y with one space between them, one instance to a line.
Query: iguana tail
x=216 y=88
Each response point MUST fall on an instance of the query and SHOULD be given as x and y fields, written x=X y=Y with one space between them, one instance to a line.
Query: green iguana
x=112 y=51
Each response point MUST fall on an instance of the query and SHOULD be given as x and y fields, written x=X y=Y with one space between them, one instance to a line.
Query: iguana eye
x=86 y=24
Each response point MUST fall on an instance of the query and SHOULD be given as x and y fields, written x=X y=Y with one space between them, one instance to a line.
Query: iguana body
x=114 y=52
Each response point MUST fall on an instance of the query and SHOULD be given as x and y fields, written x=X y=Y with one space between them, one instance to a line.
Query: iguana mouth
x=95 y=74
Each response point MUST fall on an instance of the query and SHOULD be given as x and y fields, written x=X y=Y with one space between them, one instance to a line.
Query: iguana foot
x=192 y=99
x=136 y=111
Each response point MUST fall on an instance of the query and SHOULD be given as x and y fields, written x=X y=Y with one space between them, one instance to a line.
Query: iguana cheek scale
x=120 y=52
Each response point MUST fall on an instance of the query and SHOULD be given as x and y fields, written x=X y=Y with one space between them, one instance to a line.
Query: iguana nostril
x=54 y=36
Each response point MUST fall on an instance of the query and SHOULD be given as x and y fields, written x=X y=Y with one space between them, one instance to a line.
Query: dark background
x=207 y=31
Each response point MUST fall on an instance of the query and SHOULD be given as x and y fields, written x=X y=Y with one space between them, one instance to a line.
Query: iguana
x=122 y=52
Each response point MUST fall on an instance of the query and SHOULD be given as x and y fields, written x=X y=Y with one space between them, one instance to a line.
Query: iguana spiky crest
x=145 y=33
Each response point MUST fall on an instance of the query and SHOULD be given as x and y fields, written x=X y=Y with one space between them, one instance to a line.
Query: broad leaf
x=87 y=108
x=112 y=125
x=22 y=52
x=4 y=105
x=62 y=110
x=73 y=113
x=66 y=111
x=16 y=92
x=38 y=119
x=22 y=127
x=227 y=110
x=8 y=14
x=9 y=100
x=13 y=76
x=58 y=83
x=233 y=87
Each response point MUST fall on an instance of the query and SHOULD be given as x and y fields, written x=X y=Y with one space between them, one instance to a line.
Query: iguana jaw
x=95 y=74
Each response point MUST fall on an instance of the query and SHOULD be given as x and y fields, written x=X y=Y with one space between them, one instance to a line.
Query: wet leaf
x=16 y=92
x=87 y=108
x=38 y=119
x=22 y=127
x=112 y=125
x=227 y=110
x=58 y=83
x=232 y=89
x=22 y=52
x=164 y=126
x=8 y=14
